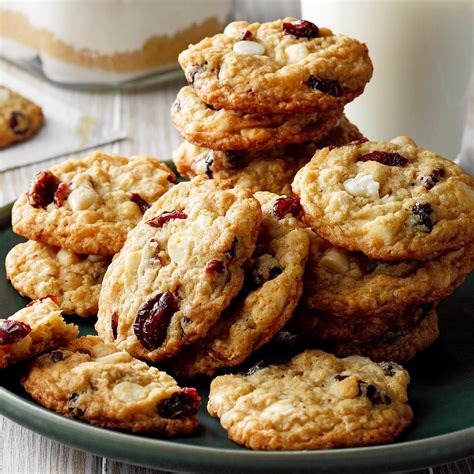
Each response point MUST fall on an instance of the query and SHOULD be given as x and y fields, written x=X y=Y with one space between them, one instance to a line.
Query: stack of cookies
x=77 y=215
x=262 y=98
x=391 y=235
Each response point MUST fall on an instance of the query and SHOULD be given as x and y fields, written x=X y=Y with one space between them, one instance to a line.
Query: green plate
x=441 y=394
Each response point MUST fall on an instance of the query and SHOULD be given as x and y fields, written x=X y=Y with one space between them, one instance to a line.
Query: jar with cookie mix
x=106 y=43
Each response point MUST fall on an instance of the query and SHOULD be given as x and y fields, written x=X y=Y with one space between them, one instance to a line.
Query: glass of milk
x=422 y=51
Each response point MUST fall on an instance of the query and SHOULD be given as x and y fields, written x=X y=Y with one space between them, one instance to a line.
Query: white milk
x=422 y=53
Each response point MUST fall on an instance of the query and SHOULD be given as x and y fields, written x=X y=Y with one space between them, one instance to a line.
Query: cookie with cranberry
x=20 y=118
x=273 y=286
x=386 y=200
x=35 y=329
x=89 y=205
x=263 y=170
x=95 y=382
x=397 y=347
x=36 y=270
x=354 y=286
x=319 y=326
x=179 y=268
x=223 y=129
x=283 y=66
x=315 y=401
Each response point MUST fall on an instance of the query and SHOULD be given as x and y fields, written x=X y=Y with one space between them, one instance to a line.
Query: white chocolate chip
x=362 y=185
x=403 y=140
x=66 y=258
x=248 y=47
x=132 y=262
x=296 y=52
x=235 y=29
x=179 y=246
x=335 y=260
x=4 y=94
x=82 y=198
x=129 y=392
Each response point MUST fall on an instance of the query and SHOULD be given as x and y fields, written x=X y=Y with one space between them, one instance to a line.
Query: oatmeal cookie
x=314 y=325
x=284 y=66
x=264 y=170
x=88 y=206
x=94 y=382
x=20 y=118
x=273 y=286
x=37 y=328
x=179 y=268
x=388 y=201
x=315 y=401
x=350 y=284
x=228 y=130
x=37 y=270
x=400 y=348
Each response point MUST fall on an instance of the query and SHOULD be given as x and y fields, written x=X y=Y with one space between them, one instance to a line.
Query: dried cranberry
x=340 y=377
x=166 y=216
x=214 y=266
x=74 y=411
x=19 y=122
x=301 y=29
x=12 y=331
x=47 y=297
x=422 y=213
x=43 y=189
x=56 y=356
x=61 y=194
x=114 y=323
x=261 y=275
x=287 y=205
x=385 y=158
x=172 y=179
x=209 y=161
x=186 y=402
x=328 y=87
x=214 y=354
x=230 y=253
x=246 y=35
x=234 y=159
x=430 y=181
x=153 y=319
x=371 y=392
x=140 y=202
x=388 y=368
x=195 y=71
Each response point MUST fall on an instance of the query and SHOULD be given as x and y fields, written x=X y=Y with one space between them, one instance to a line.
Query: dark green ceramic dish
x=441 y=394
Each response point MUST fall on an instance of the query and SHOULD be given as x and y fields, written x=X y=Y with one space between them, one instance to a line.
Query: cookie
x=389 y=201
x=316 y=325
x=89 y=205
x=352 y=285
x=265 y=170
x=315 y=401
x=223 y=129
x=273 y=286
x=399 y=348
x=20 y=118
x=94 y=382
x=35 y=329
x=180 y=267
x=284 y=66
x=37 y=270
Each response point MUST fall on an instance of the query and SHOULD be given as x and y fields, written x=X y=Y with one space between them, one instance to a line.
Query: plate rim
x=171 y=455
